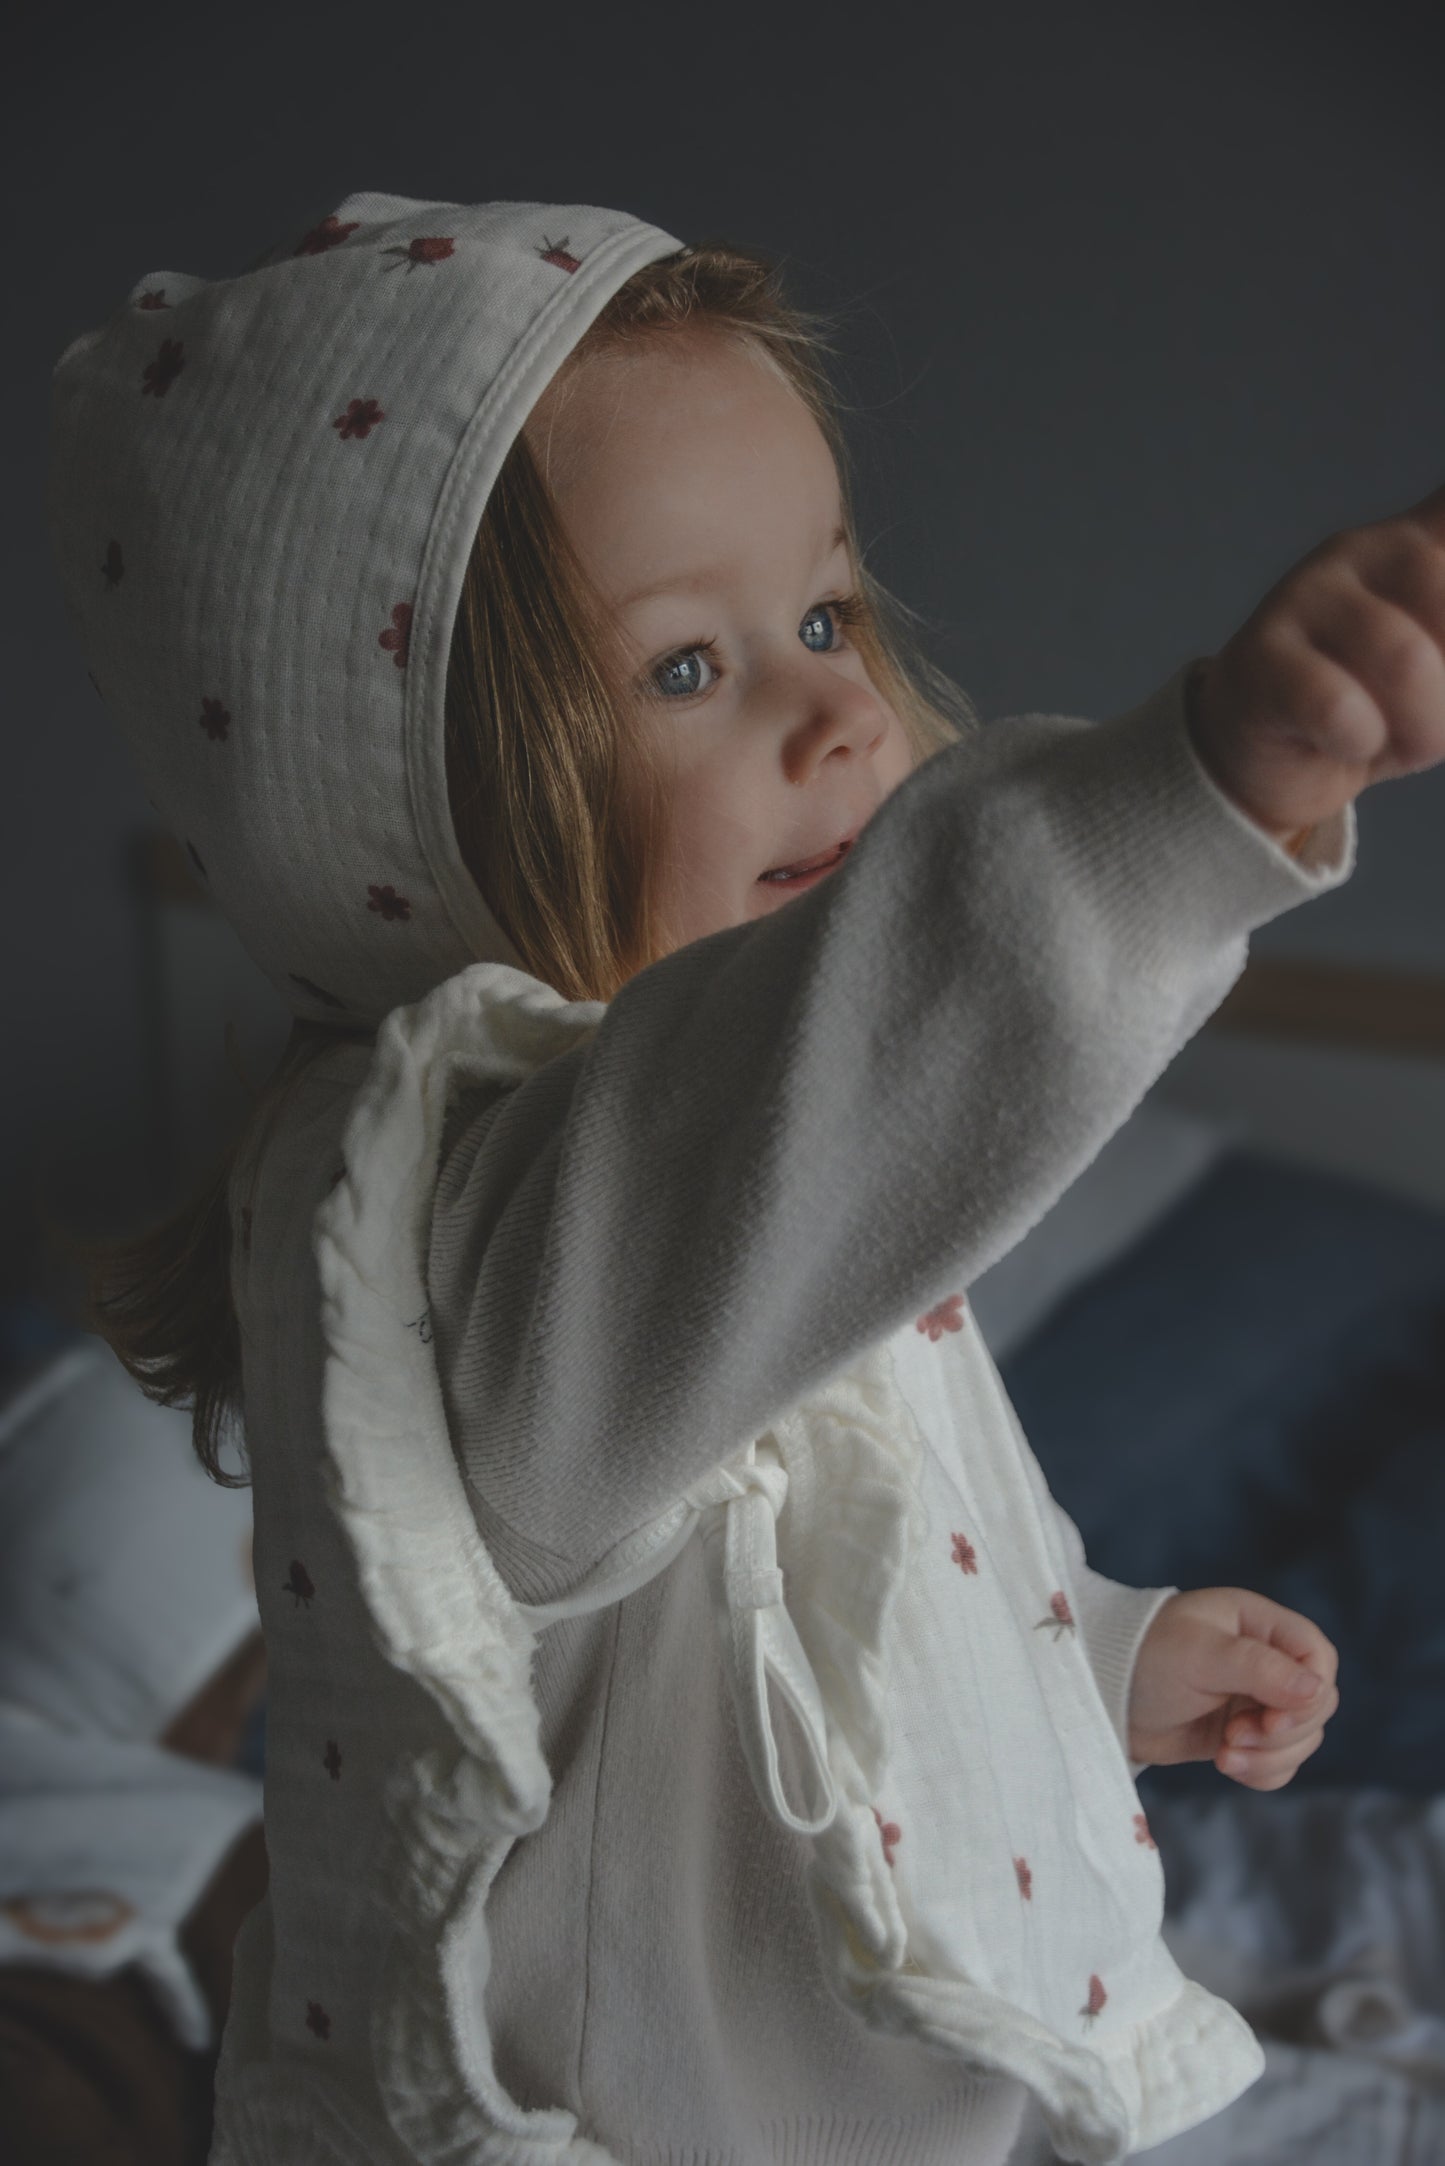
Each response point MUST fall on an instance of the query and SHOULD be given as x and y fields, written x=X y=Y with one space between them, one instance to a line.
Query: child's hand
x=1338 y=678
x=1218 y=1678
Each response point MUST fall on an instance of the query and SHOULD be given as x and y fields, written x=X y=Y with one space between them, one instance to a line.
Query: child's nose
x=840 y=715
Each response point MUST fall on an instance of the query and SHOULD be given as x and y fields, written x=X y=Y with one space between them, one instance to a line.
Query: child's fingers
x=1277 y=1725
x=1257 y=1671
x=1297 y=1636
x=1265 y=1769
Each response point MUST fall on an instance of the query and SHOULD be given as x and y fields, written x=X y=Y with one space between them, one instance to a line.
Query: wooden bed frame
x=1367 y=1010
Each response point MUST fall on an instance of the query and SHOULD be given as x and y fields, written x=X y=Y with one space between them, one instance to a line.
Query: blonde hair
x=538 y=742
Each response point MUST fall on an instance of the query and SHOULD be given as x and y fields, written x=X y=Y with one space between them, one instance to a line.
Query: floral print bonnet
x=263 y=493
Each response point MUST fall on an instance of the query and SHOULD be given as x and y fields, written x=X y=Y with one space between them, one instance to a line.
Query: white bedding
x=1322 y=1917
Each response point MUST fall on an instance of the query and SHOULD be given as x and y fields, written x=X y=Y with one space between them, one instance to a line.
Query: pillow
x=125 y=1573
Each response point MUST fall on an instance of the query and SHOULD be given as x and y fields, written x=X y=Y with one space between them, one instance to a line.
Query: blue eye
x=845 y=608
x=688 y=658
x=815 y=616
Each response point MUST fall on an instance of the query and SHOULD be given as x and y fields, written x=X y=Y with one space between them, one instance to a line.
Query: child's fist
x=1338 y=678
x=1229 y=1676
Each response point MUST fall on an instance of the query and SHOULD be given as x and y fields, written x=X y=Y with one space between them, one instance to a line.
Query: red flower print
x=155 y=297
x=197 y=861
x=112 y=570
x=1060 y=1616
x=360 y=418
x=965 y=1555
x=891 y=1832
x=948 y=1316
x=246 y=1228
x=397 y=637
x=1141 y=1832
x=434 y=248
x=331 y=1759
x=388 y=902
x=329 y=234
x=215 y=719
x=161 y=373
x=317 y=2019
x=556 y=252
x=317 y=992
x=299 y=1583
x=1024 y=1878
x=1096 y=2000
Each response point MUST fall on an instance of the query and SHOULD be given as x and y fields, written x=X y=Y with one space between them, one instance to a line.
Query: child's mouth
x=799 y=876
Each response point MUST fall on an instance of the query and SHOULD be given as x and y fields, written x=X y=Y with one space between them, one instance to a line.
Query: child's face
x=688 y=463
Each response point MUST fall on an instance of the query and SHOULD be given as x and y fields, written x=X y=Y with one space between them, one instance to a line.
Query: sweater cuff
x=1114 y=1621
x=1177 y=863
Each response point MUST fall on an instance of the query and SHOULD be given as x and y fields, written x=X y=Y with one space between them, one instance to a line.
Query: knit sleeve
x=790 y=1137
x=1113 y=1622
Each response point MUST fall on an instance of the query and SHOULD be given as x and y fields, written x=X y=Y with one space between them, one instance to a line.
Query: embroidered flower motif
x=317 y=992
x=1096 y=2000
x=360 y=418
x=246 y=1228
x=433 y=248
x=153 y=297
x=317 y=2019
x=162 y=372
x=1060 y=1617
x=329 y=234
x=965 y=1555
x=948 y=1316
x=1141 y=1832
x=387 y=902
x=421 y=1325
x=215 y=719
x=196 y=860
x=1025 y=1879
x=299 y=1583
x=397 y=637
x=112 y=569
x=331 y=1759
x=891 y=1832
x=557 y=252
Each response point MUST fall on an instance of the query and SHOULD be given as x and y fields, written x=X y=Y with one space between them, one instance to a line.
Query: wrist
x=1291 y=838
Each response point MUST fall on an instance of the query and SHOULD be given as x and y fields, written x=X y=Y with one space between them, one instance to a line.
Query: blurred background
x=1139 y=304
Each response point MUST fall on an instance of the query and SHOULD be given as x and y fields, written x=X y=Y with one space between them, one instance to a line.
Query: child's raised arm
x=792 y=1136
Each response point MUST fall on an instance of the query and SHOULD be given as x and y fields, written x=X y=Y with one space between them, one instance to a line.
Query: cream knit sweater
x=744 y=1200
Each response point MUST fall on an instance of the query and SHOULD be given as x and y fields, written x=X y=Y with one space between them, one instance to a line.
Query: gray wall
x=1144 y=301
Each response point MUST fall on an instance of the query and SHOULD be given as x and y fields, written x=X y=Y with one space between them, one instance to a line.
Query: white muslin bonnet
x=263 y=493
x=265 y=489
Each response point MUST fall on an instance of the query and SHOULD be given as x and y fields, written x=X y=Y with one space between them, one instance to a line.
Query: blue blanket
x=1254 y=1395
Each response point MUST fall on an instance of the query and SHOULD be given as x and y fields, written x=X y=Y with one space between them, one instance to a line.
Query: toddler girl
x=695 y=1736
